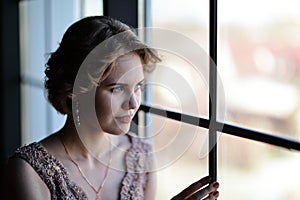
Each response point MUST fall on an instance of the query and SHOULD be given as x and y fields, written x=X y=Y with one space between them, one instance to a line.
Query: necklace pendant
x=98 y=196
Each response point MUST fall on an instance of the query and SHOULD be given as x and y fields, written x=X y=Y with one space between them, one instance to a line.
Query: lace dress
x=56 y=177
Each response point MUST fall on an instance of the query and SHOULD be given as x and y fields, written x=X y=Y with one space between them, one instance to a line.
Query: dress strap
x=138 y=163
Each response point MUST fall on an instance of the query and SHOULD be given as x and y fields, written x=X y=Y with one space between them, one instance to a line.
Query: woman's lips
x=125 y=119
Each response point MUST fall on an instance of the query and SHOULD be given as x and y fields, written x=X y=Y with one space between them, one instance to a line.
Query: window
x=258 y=68
x=261 y=66
x=42 y=24
x=181 y=89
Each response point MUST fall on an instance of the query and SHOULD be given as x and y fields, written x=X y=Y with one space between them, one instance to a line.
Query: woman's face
x=119 y=96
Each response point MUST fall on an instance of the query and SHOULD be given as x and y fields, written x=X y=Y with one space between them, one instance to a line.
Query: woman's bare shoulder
x=23 y=182
x=53 y=145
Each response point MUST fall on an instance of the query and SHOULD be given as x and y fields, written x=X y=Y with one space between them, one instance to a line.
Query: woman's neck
x=86 y=143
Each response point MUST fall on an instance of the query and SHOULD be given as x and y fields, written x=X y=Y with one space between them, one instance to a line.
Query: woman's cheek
x=116 y=103
x=103 y=101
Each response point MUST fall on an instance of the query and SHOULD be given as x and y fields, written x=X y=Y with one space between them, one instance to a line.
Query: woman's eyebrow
x=114 y=84
x=143 y=80
x=122 y=84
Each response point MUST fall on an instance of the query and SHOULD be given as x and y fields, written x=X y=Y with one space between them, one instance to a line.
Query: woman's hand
x=198 y=191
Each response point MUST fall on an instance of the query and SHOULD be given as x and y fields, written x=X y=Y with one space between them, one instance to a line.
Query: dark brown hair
x=77 y=42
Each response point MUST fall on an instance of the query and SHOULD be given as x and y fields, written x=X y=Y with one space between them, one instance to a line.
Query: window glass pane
x=178 y=85
x=259 y=64
x=188 y=17
x=90 y=7
x=187 y=22
x=181 y=155
x=42 y=24
x=32 y=37
x=251 y=170
x=34 y=125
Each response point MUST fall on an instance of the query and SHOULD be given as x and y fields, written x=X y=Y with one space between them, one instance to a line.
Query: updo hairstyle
x=77 y=42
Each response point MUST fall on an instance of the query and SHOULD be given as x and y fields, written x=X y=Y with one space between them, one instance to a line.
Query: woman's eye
x=117 y=89
x=139 y=87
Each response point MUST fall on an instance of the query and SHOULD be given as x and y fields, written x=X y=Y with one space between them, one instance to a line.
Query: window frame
x=211 y=123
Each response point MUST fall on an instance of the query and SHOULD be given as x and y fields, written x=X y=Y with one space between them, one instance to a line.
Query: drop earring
x=77 y=118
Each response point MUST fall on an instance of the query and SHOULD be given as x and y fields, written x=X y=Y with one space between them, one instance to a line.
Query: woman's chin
x=118 y=130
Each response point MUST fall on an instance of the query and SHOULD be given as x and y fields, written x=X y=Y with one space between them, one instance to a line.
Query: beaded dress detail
x=56 y=177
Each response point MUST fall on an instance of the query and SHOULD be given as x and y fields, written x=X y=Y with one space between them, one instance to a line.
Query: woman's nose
x=133 y=102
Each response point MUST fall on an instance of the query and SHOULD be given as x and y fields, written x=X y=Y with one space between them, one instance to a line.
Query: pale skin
x=117 y=99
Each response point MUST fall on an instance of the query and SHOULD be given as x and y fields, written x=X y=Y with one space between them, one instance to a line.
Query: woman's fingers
x=212 y=196
x=209 y=191
x=193 y=188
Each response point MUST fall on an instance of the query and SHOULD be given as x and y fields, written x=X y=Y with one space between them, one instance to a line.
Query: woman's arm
x=23 y=182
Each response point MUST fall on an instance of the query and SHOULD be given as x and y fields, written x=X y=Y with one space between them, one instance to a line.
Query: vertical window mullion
x=213 y=88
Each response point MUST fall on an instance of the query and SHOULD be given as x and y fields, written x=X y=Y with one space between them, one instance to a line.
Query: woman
x=95 y=77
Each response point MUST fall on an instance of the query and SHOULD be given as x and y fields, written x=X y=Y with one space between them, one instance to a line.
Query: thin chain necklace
x=98 y=192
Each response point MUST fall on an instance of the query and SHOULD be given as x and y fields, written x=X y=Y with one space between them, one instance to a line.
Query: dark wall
x=9 y=82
